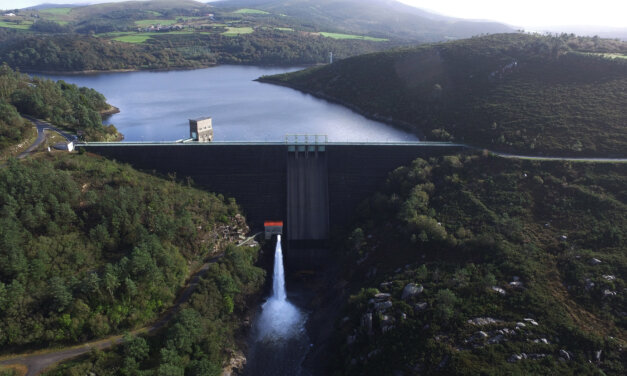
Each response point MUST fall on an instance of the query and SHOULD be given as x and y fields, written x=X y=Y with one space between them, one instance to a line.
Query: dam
x=311 y=185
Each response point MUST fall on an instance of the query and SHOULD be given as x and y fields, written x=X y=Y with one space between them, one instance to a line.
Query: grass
x=284 y=28
x=234 y=31
x=14 y=150
x=11 y=25
x=137 y=38
x=611 y=56
x=57 y=11
x=52 y=138
x=250 y=11
x=144 y=23
x=130 y=37
x=350 y=36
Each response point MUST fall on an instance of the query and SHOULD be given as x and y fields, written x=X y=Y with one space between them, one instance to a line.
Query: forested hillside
x=199 y=339
x=75 y=52
x=467 y=265
x=65 y=105
x=90 y=247
x=560 y=95
x=169 y=34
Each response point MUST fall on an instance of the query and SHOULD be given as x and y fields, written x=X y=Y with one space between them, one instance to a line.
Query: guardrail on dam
x=321 y=188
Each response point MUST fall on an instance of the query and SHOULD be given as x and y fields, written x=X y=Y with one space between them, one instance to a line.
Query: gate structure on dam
x=307 y=192
x=312 y=185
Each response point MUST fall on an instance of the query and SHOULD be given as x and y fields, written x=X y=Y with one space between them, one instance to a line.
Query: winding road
x=41 y=136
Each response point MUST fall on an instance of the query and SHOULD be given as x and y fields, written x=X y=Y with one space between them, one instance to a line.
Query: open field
x=144 y=23
x=234 y=31
x=11 y=25
x=250 y=11
x=57 y=11
x=349 y=36
x=136 y=38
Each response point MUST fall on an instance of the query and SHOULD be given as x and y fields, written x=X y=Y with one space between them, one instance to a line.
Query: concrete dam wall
x=314 y=193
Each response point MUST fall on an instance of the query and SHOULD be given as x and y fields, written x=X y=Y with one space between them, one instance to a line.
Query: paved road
x=36 y=363
x=41 y=125
x=567 y=159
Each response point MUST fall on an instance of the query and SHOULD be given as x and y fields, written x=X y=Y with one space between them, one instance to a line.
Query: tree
x=60 y=294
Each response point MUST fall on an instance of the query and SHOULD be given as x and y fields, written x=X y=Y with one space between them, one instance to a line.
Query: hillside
x=467 y=265
x=90 y=247
x=521 y=93
x=382 y=18
x=166 y=34
x=68 y=106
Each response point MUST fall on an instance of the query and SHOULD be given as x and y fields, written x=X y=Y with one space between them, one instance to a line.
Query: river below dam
x=156 y=106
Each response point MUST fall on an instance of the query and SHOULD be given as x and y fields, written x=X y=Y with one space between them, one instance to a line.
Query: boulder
x=496 y=339
x=498 y=289
x=480 y=321
x=537 y=356
x=480 y=336
x=564 y=354
x=515 y=358
x=411 y=290
x=595 y=261
x=385 y=285
x=608 y=293
x=531 y=321
x=382 y=296
x=366 y=322
x=382 y=306
x=420 y=306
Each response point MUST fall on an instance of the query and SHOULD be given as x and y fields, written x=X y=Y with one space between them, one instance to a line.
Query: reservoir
x=156 y=106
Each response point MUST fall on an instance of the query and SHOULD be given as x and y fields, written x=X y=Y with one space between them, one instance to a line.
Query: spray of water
x=279 y=320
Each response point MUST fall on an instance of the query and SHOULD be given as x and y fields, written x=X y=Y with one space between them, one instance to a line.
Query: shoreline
x=164 y=69
x=109 y=111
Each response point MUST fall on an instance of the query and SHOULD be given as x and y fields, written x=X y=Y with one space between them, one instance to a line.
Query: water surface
x=156 y=106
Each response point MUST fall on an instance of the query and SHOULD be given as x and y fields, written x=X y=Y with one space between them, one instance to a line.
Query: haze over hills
x=374 y=17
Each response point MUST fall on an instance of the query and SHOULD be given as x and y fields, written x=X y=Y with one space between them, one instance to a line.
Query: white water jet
x=279 y=319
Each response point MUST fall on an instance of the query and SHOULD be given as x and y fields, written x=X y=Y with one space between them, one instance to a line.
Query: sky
x=522 y=13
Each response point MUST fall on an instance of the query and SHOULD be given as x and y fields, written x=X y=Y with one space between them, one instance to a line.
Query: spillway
x=279 y=341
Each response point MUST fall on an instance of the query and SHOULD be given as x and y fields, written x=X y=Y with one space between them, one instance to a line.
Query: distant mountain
x=52 y=6
x=378 y=18
x=511 y=92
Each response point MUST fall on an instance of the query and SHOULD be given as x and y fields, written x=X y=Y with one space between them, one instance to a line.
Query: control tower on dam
x=313 y=186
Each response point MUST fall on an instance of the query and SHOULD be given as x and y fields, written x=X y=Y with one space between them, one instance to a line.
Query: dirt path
x=37 y=362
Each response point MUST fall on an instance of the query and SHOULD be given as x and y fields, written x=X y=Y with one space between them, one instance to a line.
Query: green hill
x=90 y=247
x=377 y=18
x=476 y=265
x=561 y=95
x=188 y=34
x=65 y=105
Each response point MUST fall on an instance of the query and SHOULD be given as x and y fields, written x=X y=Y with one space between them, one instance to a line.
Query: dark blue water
x=156 y=106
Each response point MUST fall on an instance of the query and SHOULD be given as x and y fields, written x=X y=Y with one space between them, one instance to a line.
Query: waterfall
x=279 y=337
x=279 y=319
x=278 y=278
